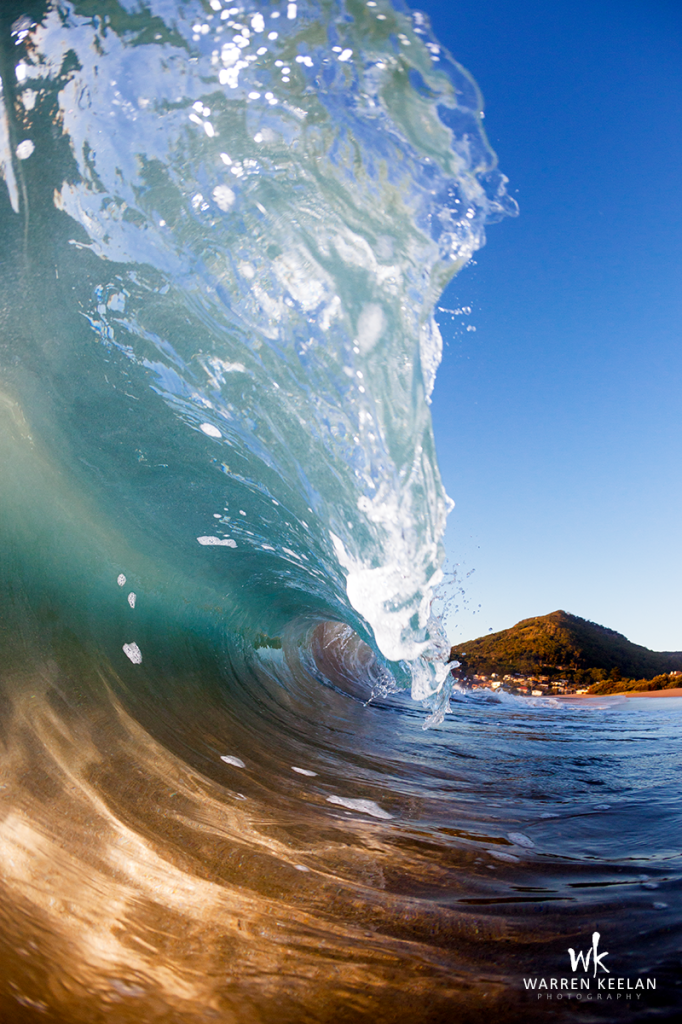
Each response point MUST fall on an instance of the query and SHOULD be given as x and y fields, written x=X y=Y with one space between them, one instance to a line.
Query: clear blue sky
x=559 y=420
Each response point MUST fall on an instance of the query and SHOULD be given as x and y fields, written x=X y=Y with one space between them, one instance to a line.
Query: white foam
x=217 y=368
x=223 y=197
x=217 y=542
x=509 y=857
x=519 y=839
x=133 y=652
x=372 y=591
x=121 y=580
x=132 y=598
x=371 y=325
x=209 y=429
x=236 y=761
x=303 y=771
x=6 y=169
x=301 y=867
x=431 y=353
x=306 y=281
x=24 y=149
x=364 y=806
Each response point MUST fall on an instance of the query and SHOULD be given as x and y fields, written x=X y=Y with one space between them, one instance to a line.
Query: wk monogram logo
x=591 y=980
x=583 y=959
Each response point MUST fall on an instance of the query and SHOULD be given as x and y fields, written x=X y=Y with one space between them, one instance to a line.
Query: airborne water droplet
x=229 y=759
x=133 y=652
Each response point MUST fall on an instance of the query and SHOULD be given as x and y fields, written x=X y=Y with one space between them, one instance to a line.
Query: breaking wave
x=224 y=231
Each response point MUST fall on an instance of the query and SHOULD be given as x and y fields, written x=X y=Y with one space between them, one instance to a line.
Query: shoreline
x=675 y=692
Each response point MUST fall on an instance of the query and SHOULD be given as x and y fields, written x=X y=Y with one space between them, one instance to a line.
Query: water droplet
x=236 y=761
x=133 y=652
x=24 y=149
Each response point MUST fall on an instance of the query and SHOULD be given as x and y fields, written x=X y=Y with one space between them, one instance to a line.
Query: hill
x=560 y=644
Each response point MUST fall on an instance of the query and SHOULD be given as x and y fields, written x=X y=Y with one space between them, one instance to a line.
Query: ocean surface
x=236 y=784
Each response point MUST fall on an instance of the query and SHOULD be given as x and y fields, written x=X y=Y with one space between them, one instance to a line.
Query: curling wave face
x=258 y=211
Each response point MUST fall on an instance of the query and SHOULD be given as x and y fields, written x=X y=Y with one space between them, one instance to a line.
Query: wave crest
x=275 y=199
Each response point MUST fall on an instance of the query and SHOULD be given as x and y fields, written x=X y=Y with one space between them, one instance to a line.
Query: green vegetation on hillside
x=662 y=682
x=560 y=645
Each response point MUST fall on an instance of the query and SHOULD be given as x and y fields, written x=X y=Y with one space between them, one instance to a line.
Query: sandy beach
x=676 y=692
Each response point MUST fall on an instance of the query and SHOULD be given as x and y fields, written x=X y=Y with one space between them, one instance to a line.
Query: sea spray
x=254 y=211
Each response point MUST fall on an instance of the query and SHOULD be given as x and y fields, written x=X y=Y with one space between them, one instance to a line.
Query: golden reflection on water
x=134 y=888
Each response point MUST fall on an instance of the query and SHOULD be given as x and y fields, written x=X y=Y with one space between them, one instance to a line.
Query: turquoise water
x=224 y=230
